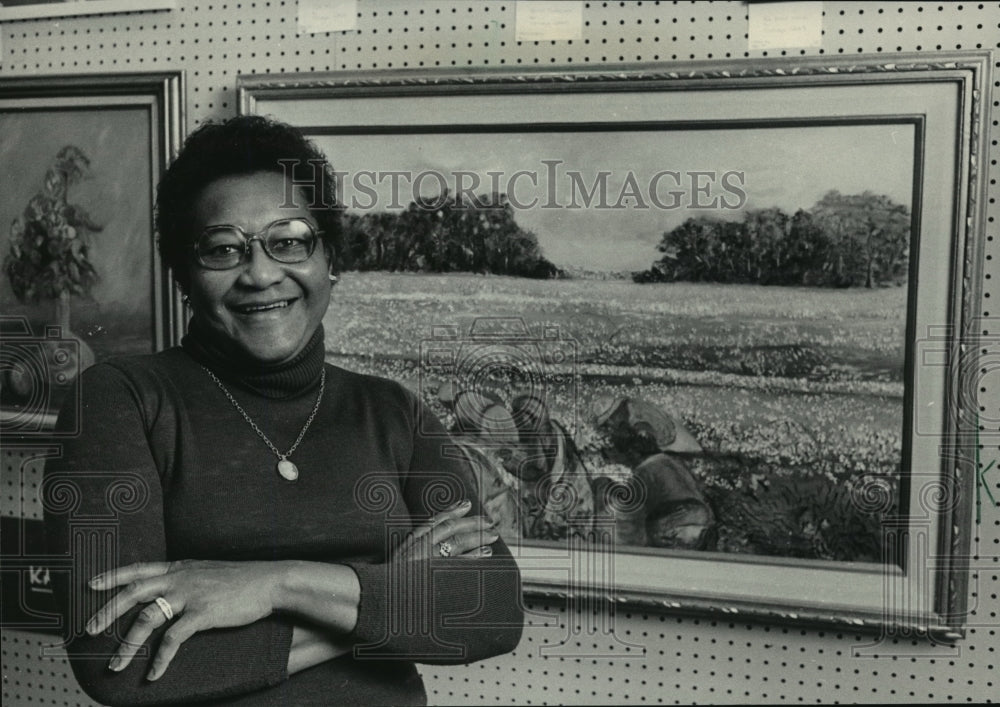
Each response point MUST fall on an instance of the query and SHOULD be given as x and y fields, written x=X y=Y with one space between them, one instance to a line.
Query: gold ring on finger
x=165 y=607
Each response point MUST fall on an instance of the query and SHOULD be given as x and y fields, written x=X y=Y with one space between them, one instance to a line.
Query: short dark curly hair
x=242 y=145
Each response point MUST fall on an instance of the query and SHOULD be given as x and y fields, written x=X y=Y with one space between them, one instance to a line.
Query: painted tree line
x=844 y=240
x=445 y=234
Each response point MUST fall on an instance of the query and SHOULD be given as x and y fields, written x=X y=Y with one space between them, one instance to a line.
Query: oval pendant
x=288 y=470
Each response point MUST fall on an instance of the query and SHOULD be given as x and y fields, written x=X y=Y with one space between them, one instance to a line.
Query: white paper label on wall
x=327 y=16
x=542 y=21
x=786 y=25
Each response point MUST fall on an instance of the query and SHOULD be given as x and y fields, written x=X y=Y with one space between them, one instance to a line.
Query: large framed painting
x=702 y=331
x=81 y=279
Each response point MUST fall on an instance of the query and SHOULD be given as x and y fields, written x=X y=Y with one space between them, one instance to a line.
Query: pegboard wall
x=686 y=660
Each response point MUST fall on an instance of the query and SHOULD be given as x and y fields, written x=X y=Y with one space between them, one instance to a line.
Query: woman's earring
x=186 y=300
x=334 y=279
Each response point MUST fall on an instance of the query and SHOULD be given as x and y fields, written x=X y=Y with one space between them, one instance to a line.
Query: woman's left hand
x=201 y=594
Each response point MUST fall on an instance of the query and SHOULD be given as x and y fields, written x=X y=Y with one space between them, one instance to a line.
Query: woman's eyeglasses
x=290 y=240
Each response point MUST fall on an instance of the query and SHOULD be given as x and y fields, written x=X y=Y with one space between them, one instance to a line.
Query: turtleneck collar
x=281 y=380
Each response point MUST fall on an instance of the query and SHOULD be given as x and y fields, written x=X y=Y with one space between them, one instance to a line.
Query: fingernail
x=95 y=581
x=460 y=504
x=485 y=551
x=115 y=664
x=153 y=675
x=91 y=628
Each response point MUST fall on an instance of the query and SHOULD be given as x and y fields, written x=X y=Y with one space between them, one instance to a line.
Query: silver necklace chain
x=260 y=433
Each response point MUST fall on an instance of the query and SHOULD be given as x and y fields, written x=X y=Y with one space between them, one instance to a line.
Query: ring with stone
x=444 y=549
x=165 y=607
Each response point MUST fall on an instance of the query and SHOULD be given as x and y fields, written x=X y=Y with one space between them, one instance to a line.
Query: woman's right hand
x=450 y=534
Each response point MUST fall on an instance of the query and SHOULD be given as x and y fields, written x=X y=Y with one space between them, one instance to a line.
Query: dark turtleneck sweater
x=165 y=468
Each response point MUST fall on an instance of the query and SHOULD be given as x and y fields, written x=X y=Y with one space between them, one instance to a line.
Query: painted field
x=791 y=392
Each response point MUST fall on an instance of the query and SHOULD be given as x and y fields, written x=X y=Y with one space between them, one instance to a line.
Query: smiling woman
x=272 y=513
x=269 y=307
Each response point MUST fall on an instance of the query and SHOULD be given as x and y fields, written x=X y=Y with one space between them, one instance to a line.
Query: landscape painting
x=736 y=360
x=695 y=330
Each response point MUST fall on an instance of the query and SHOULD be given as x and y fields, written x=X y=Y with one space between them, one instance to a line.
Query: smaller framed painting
x=81 y=280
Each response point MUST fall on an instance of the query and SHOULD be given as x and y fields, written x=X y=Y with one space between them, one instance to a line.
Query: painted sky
x=786 y=167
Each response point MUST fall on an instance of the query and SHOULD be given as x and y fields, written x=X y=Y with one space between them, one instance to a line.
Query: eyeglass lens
x=287 y=241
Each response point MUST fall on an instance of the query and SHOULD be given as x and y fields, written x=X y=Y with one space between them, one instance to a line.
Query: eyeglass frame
x=249 y=238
